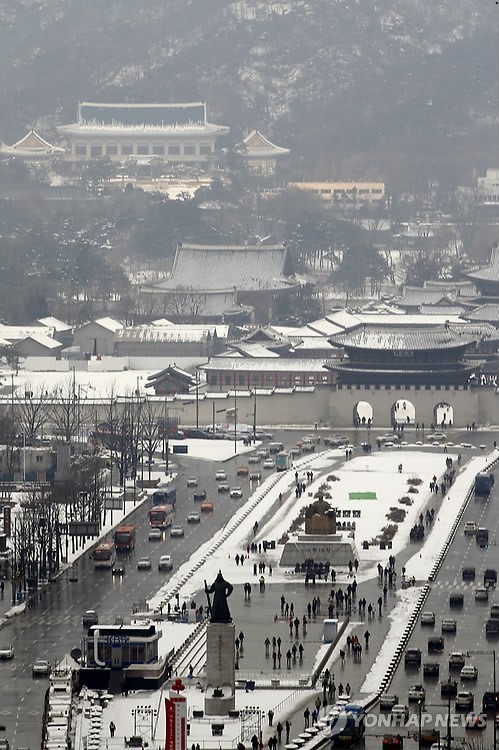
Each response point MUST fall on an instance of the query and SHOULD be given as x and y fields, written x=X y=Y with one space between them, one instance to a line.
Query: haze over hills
x=404 y=90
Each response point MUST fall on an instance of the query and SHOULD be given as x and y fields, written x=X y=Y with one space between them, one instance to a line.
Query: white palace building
x=170 y=132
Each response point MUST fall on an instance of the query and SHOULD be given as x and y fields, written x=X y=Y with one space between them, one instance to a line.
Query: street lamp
x=493 y=653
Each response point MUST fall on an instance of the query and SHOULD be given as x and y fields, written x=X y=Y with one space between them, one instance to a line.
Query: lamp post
x=235 y=415
x=493 y=653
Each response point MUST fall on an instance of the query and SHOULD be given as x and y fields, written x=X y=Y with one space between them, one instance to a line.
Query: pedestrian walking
x=267 y=647
x=288 y=729
x=340 y=689
x=274 y=658
x=367 y=635
x=306 y=716
x=342 y=656
x=112 y=729
x=315 y=714
x=300 y=651
x=348 y=688
x=271 y=717
x=279 y=729
x=254 y=742
x=288 y=659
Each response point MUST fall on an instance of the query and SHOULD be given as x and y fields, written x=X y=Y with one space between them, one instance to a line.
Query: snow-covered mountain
x=354 y=87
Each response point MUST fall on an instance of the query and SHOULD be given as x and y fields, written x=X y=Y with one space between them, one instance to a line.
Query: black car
x=412 y=657
x=435 y=644
x=468 y=574
x=431 y=669
x=490 y=577
x=492 y=627
x=456 y=600
x=200 y=495
x=490 y=702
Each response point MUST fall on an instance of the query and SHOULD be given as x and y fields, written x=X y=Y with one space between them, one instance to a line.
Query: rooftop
x=243 y=364
x=257 y=145
x=125 y=117
x=489 y=272
x=223 y=267
x=399 y=338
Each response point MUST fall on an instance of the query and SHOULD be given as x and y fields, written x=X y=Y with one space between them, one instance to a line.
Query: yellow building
x=344 y=192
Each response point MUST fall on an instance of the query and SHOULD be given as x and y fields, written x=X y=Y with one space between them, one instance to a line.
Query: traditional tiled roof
x=490 y=272
x=279 y=364
x=172 y=371
x=353 y=368
x=258 y=146
x=417 y=296
x=398 y=338
x=488 y=313
x=208 y=268
x=459 y=288
x=148 y=118
x=254 y=350
x=445 y=310
x=171 y=334
x=32 y=145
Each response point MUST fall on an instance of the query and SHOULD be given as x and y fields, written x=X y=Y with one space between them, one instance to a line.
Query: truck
x=283 y=461
x=164 y=496
x=483 y=484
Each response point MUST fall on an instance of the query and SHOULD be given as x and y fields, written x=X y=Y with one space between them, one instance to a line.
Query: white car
x=481 y=594
x=155 y=535
x=165 y=562
x=177 y=530
x=466 y=445
x=469 y=672
x=400 y=711
x=428 y=618
x=269 y=463
x=193 y=518
x=449 y=625
x=389 y=444
x=255 y=475
x=253 y=459
x=223 y=487
x=387 y=701
x=416 y=693
x=236 y=492
x=464 y=699
x=144 y=563
x=457 y=659
x=7 y=652
x=470 y=528
x=221 y=476
x=41 y=668
x=192 y=482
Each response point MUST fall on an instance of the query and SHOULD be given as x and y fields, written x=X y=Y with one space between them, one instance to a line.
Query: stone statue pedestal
x=220 y=668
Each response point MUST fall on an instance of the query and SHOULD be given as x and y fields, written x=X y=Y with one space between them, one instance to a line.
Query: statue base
x=220 y=668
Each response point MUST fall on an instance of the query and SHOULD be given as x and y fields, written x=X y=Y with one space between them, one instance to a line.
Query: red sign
x=170 y=742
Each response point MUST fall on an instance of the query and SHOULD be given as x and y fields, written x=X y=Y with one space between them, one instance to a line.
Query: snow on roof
x=257 y=145
x=19 y=333
x=400 y=338
x=45 y=341
x=264 y=363
x=58 y=325
x=217 y=267
x=109 y=323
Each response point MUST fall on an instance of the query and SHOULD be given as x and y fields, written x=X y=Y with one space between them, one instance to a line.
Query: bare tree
x=31 y=411
x=151 y=431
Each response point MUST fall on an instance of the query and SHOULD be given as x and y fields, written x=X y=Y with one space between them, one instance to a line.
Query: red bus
x=104 y=555
x=161 y=516
x=124 y=538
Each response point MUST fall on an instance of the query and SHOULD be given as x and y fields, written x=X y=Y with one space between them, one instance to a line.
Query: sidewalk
x=256 y=619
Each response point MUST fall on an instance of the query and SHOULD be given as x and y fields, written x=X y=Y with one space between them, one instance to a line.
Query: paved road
x=54 y=626
x=470 y=619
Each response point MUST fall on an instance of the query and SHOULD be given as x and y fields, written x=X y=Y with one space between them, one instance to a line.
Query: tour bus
x=161 y=516
x=104 y=555
x=124 y=538
x=348 y=726
x=283 y=461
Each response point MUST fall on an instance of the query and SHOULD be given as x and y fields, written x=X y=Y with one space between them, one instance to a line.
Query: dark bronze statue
x=221 y=589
